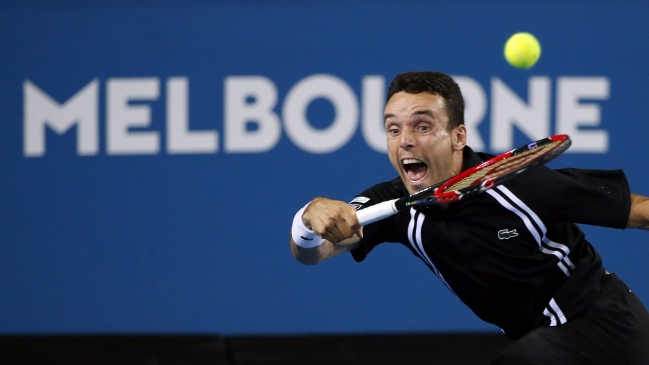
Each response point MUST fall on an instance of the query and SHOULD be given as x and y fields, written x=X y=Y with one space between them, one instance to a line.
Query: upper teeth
x=410 y=161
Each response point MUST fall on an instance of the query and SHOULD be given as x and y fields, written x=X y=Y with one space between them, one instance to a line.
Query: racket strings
x=503 y=166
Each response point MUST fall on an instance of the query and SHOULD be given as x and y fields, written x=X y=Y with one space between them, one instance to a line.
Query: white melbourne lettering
x=239 y=113
x=345 y=122
x=252 y=101
x=509 y=111
x=41 y=110
x=121 y=116
x=571 y=114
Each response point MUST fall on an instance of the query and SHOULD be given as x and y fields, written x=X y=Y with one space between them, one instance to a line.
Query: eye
x=423 y=128
x=393 y=131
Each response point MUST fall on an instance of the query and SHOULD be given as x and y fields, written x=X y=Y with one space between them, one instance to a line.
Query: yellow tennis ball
x=522 y=50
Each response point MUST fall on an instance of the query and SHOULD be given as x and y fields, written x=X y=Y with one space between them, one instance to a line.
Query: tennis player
x=514 y=254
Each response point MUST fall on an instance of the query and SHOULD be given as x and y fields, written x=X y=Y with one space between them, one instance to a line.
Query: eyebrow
x=418 y=112
x=388 y=116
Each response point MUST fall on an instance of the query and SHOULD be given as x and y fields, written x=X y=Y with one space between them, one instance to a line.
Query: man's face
x=420 y=146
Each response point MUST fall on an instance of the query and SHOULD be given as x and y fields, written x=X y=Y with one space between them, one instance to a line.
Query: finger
x=336 y=234
x=352 y=221
x=336 y=229
x=341 y=229
x=351 y=224
x=345 y=230
x=327 y=230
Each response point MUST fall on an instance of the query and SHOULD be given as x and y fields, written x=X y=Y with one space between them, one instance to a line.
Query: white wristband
x=303 y=236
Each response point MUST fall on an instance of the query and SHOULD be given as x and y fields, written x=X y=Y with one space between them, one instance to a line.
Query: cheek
x=393 y=146
x=441 y=142
x=392 y=155
x=442 y=135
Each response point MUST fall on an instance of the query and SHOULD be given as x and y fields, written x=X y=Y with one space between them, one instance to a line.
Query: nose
x=407 y=139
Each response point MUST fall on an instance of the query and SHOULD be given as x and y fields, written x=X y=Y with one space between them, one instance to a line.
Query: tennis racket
x=475 y=180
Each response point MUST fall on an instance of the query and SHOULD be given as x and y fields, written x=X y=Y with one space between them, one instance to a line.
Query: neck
x=457 y=162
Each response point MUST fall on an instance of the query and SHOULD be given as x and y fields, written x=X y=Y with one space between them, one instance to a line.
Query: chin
x=414 y=187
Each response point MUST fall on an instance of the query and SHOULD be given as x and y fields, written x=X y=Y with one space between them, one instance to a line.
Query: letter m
x=41 y=110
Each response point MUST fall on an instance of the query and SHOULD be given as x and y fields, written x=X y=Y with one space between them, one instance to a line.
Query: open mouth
x=415 y=169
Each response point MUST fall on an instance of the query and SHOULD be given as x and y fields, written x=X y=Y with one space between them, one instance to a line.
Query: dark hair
x=435 y=83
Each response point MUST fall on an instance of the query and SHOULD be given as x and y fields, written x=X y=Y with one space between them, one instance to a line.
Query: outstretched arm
x=335 y=221
x=639 y=215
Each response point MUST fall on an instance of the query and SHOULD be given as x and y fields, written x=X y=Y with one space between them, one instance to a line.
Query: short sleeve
x=593 y=197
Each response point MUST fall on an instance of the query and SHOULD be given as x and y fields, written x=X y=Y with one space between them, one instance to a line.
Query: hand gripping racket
x=475 y=180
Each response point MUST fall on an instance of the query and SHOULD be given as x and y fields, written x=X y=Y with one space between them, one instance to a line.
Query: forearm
x=307 y=256
x=315 y=255
x=639 y=215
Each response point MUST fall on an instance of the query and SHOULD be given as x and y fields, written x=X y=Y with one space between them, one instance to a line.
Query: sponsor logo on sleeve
x=358 y=202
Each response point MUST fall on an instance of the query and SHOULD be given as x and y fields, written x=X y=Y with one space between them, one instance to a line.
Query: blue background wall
x=198 y=242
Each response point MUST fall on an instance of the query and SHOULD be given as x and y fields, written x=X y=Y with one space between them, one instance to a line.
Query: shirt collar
x=469 y=158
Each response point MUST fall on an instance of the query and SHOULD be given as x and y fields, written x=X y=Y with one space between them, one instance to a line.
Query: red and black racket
x=475 y=180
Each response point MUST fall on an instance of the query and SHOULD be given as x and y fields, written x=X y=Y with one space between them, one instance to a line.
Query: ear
x=458 y=137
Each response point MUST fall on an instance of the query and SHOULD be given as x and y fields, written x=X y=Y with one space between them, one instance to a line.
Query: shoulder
x=594 y=197
x=548 y=178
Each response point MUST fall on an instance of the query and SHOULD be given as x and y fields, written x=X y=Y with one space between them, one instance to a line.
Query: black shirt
x=514 y=254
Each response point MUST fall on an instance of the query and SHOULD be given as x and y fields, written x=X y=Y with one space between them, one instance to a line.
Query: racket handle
x=376 y=212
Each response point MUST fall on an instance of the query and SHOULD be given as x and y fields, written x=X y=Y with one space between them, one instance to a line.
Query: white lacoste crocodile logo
x=505 y=234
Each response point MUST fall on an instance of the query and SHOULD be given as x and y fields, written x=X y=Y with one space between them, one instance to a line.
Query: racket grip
x=376 y=212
